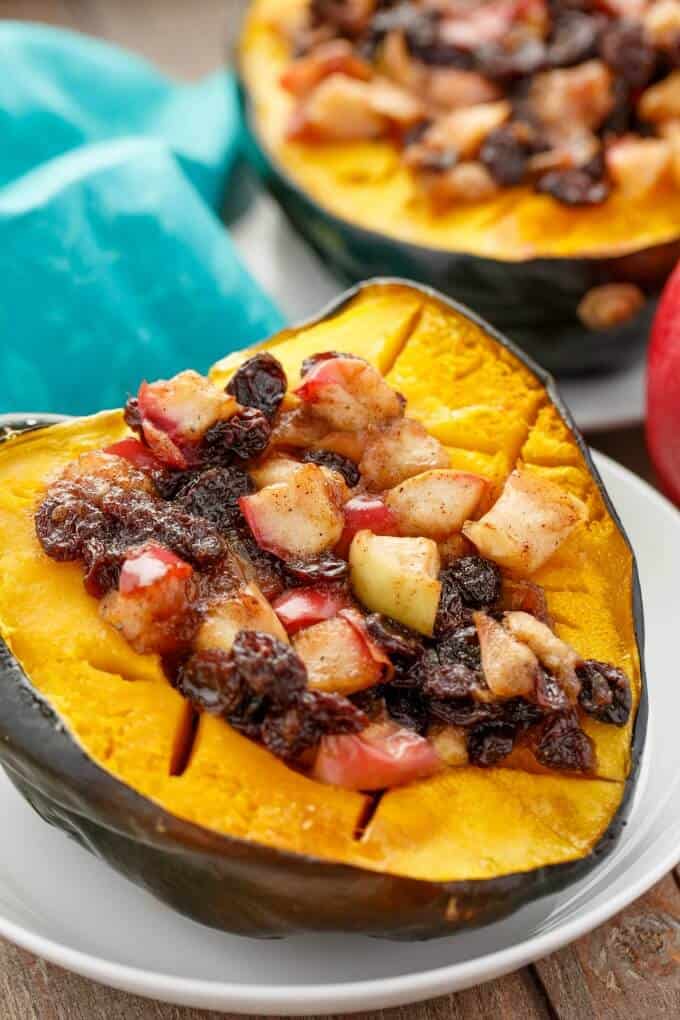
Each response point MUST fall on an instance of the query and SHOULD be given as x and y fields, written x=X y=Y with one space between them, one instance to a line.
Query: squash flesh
x=118 y=706
x=367 y=184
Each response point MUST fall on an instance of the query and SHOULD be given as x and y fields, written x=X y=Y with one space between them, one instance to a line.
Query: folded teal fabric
x=114 y=266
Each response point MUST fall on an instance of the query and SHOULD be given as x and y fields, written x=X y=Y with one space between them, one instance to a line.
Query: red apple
x=298 y=518
x=348 y=393
x=176 y=413
x=339 y=658
x=365 y=512
x=150 y=565
x=663 y=389
x=303 y=607
x=136 y=453
x=435 y=503
x=397 y=451
x=382 y=756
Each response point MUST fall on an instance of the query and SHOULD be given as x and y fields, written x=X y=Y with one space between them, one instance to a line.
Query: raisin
x=573 y=39
x=620 y=117
x=325 y=568
x=605 y=692
x=267 y=569
x=102 y=568
x=302 y=724
x=461 y=646
x=549 y=693
x=268 y=667
x=500 y=63
x=261 y=383
x=562 y=744
x=210 y=680
x=626 y=50
x=245 y=435
x=335 y=462
x=478 y=580
x=407 y=708
x=59 y=518
x=399 y=642
x=169 y=483
x=520 y=713
x=447 y=681
x=490 y=742
x=451 y=614
x=465 y=711
x=574 y=187
x=214 y=495
x=505 y=155
x=371 y=701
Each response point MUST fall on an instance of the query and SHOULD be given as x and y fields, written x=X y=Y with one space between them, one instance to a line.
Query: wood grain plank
x=31 y=989
x=626 y=969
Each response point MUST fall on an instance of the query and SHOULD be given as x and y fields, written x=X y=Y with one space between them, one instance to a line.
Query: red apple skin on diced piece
x=527 y=524
x=435 y=503
x=338 y=658
x=303 y=607
x=149 y=566
x=297 y=519
x=349 y=393
x=382 y=756
x=663 y=389
x=136 y=453
x=365 y=512
x=151 y=604
x=176 y=413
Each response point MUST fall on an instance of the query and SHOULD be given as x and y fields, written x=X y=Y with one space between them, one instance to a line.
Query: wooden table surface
x=627 y=970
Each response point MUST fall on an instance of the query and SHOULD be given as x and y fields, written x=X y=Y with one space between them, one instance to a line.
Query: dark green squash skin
x=242 y=887
x=533 y=301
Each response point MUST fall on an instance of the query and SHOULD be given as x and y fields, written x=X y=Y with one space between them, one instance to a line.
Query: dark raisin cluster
x=260 y=687
x=260 y=383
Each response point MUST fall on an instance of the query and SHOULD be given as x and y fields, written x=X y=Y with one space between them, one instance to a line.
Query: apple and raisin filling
x=313 y=571
x=570 y=98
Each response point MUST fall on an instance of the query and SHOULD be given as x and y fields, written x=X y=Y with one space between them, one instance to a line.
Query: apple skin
x=382 y=756
x=365 y=513
x=663 y=389
x=150 y=566
x=135 y=453
x=303 y=607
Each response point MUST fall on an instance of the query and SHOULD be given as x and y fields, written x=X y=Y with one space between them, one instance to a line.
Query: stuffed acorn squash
x=520 y=156
x=344 y=637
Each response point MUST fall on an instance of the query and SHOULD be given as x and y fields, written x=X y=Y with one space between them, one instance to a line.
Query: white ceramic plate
x=61 y=903
x=299 y=282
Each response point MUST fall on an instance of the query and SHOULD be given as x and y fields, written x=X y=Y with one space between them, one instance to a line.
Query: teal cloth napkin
x=114 y=266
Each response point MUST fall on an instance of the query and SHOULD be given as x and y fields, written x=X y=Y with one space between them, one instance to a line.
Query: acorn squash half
x=96 y=740
x=522 y=260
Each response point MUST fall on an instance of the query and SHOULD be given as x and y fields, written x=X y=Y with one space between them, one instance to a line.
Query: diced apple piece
x=397 y=577
x=638 y=165
x=527 y=524
x=435 y=503
x=297 y=519
x=153 y=597
x=135 y=453
x=303 y=607
x=273 y=470
x=510 y=667
x=382 y=756
x=365 y=513
x=247 y=609
x=339 y=658
x=348 y=393
x=453 y=548
x=450 y=743
x=177 y=412
x=334 y=57
x=398 y=451
x=556 y=655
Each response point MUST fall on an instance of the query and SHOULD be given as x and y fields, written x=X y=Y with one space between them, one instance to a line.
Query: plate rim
x=371 y=993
